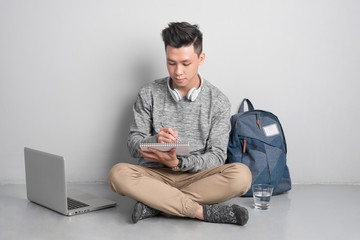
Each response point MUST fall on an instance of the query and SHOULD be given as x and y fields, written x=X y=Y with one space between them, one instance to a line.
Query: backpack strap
x=242 y=105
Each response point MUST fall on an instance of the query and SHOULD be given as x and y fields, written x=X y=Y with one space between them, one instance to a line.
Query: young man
x=183 y=107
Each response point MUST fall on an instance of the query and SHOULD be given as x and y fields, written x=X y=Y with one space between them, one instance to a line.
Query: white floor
x=306 y=212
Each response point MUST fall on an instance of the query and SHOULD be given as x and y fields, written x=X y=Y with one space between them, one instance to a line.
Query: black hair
x=183 y=34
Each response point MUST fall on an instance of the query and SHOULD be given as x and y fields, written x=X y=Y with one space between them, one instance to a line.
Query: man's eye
x=170 y=63
x=186 y=64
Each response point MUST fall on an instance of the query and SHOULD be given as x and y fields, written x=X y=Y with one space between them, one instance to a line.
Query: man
x=183 y=107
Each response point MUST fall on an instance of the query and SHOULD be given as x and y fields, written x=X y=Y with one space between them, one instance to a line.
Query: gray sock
x=142 y=211
x=226 y=214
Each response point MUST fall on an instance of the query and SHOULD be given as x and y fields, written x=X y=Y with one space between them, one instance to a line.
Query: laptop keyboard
x=73 y=204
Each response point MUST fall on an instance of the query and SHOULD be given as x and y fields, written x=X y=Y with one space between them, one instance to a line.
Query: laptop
x=46 y=186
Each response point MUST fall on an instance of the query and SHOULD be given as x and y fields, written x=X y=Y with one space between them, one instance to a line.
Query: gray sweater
x=204 y=123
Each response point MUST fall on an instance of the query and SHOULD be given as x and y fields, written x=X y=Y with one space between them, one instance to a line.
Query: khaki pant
x=180 y=193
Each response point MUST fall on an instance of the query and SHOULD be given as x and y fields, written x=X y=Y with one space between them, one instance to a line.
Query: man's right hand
x=167 y=135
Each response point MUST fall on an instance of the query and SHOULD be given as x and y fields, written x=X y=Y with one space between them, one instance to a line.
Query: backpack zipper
x=258 y=120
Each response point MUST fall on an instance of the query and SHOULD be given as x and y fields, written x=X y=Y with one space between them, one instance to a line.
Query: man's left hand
x=169 y=159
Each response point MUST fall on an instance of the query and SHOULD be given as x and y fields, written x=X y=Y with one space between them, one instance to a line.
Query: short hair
x=183 y=34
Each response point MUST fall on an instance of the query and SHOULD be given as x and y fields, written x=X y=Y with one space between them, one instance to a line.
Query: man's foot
x=141 y=211
x=226 y=214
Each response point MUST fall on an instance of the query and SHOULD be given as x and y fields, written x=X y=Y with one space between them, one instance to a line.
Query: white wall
x=70 y=71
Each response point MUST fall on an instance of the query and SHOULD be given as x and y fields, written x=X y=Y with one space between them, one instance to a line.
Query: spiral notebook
x=181 y=148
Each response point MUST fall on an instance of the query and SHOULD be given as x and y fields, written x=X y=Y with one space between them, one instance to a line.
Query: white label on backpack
x=271 y=130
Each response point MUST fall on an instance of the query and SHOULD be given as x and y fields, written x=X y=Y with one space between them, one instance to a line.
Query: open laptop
x=46 y=185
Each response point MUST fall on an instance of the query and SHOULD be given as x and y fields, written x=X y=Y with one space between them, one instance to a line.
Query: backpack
x=258 y=141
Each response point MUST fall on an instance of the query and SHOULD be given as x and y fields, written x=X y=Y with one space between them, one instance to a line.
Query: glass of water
x=262 y=194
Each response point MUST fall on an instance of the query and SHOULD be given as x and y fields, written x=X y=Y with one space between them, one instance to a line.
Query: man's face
x=183 y=64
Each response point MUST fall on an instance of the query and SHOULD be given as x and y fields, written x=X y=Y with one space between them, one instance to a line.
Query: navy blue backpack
x=258 y=141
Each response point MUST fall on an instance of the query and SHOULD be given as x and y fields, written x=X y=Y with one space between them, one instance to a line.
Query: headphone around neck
x=191 y=95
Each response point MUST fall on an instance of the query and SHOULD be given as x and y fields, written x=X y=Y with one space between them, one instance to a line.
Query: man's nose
x=178 y=70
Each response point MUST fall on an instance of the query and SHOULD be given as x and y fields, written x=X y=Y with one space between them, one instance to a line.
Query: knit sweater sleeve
x=141 y=129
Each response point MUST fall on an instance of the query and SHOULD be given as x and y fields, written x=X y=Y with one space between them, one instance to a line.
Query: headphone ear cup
x=176 y=95
x=190 y=94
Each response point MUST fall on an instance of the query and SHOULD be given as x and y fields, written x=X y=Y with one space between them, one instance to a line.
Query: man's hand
x=167 y=135
x=169 y=159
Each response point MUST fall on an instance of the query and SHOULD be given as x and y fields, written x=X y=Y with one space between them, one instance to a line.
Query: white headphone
x=191 y=95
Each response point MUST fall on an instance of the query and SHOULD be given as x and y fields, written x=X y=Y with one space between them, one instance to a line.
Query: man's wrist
x=178 y=167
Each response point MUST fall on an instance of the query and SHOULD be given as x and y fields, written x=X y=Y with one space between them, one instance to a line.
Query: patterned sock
x=226 y=214
x=141 y=211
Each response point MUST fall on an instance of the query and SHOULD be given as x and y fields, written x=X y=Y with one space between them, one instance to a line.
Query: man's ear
x=201 y=58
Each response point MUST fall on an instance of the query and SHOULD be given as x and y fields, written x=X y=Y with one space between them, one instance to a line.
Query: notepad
x=181 y=148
